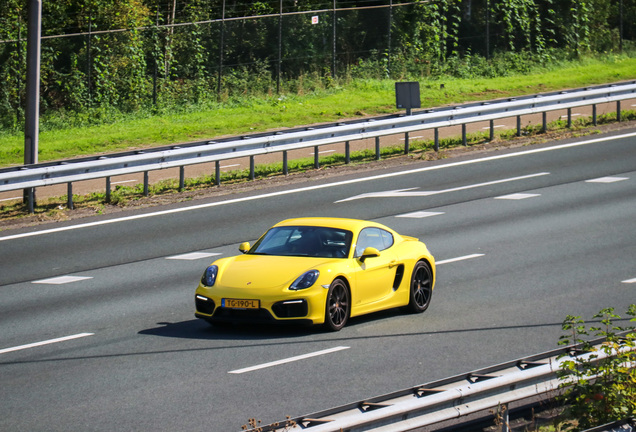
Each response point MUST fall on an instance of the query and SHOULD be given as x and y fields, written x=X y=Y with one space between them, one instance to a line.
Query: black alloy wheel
x=421 y=288
x=338 y=306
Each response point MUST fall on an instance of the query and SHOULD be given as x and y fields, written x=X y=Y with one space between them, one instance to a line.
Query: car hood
x=264 y=271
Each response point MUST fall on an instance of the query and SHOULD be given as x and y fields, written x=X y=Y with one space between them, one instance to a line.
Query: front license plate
x=240 y=304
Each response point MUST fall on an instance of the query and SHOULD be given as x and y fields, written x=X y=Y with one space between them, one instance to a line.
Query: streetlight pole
x=32 y=115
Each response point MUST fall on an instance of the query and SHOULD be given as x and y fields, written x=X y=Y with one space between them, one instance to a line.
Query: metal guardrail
x=69 y=171
x=445 y=403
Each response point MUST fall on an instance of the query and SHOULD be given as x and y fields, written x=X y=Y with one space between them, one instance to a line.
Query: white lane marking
x=193 y=256
x=316 y=187
x=461 y=258
x=289 y=360
x=46 y=342
x=61 y=280
x=630 y=281
x=411 y=193
x=517 y=196
x=419 y=214
x=607 y=180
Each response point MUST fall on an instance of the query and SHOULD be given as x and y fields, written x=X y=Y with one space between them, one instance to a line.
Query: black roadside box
x=407 y=95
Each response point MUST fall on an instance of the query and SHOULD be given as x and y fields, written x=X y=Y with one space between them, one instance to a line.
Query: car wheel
x=338 y=306
x=421 y=288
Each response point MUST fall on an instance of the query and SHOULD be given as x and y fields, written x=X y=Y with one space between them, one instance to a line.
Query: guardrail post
x=377 y=148
x=217 y=173
x=618 y=111
x=544 y=121
x=29 y=199
x=436 y=139
x=107 y=189
x=464 y=142
x=316 y=158
x=492 y=130
x=285 y=167
x=145 y=183
x=69 y=195
x=252 y=175
x=569 y=118
x=406 y=143
x=347 y=152
x=594 y=121
x=181 y=178
x=518 y=126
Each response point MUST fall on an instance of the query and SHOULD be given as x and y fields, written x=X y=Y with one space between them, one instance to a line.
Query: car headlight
x=209 y=276
x=305 y=281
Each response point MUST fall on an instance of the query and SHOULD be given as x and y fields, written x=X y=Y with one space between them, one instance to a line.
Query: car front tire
x=338 y=306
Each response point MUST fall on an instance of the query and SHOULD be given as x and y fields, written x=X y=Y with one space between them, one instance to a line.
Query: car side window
x=375 y=238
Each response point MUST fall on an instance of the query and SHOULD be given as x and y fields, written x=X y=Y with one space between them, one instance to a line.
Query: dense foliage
x=601 y=387
x=105 y=56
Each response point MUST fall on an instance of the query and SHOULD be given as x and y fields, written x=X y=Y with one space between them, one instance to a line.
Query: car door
x=374 y=275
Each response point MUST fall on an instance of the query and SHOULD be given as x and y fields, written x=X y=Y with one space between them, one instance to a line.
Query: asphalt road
x=97 y=318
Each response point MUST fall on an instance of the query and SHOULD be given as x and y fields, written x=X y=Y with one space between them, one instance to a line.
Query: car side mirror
x=369 y=252
x=244 y=247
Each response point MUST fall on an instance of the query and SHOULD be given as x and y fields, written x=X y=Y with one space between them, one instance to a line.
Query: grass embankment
x=348 y=100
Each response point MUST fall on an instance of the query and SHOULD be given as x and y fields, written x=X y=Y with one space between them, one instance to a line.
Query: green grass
x=349 y=100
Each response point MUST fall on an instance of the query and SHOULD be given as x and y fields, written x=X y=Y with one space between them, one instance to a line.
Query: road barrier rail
x=28 y=177
x=452 y=402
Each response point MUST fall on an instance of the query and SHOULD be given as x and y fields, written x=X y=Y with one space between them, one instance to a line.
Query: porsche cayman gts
x=318 y=271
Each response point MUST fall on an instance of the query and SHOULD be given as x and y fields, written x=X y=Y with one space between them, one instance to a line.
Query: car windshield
x=304 y=241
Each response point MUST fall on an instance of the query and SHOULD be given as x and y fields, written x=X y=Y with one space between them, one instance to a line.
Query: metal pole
x=487 y=29
x=31 y=123
x=221 y=48
x=620 y=26
x=333 y=51
x=388 y=65
x=88 y=57
x=280 y=46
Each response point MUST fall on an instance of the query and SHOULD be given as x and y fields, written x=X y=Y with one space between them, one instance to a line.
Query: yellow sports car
x=318 y=271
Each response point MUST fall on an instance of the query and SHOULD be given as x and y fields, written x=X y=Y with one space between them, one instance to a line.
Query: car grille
x=204 y=305
x=291 y=309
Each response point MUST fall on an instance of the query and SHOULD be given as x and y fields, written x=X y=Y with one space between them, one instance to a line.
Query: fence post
x=69 y=195
x=464 y=141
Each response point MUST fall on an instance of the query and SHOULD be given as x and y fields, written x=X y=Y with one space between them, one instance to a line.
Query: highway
x=97 y=315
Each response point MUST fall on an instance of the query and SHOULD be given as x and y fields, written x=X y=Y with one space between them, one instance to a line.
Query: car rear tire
x=421 y=288
x=338 y=306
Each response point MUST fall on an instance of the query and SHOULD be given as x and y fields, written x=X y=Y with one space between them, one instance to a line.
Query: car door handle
x=393 y=263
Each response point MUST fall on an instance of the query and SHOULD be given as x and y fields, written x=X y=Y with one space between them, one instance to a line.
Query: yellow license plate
x=240 y=304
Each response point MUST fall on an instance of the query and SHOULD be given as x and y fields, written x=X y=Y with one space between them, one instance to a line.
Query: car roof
x=353 y=225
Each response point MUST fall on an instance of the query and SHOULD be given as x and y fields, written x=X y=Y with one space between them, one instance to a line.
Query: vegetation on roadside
x=64 y=135
x=601 y=387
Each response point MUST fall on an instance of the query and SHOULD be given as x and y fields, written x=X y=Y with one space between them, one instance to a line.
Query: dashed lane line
x=46 y=342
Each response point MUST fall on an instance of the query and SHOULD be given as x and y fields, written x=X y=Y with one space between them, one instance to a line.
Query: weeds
x=599 y=390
